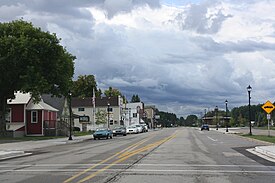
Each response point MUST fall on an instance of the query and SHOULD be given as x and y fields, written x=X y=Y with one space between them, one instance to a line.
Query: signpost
x=268 y=107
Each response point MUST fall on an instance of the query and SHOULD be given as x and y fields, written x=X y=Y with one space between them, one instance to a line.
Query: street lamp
x=226 y=115
x=70 y=112
x=216 y=111
x=249 y=88
x=108 y=109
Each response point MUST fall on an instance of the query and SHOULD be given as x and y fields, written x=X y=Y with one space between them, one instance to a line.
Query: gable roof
x=40 y=106
x=56 y=102
x=20 y=98
x=99 y=101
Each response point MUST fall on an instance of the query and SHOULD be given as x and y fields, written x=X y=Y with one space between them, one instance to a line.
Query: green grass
x=261 y=137
x=265 y=128
x=81 y=133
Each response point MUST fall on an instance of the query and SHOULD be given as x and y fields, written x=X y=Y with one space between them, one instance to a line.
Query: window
x=134 y=115
x=34 y=117
x=111 y=122
x=81 y=109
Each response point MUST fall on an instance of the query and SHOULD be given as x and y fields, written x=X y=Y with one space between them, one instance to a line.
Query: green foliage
x=167 y=119
x=111 y=92
x=84 y=85
x=135 y=98
x=101 y=117
x=31 y=60
x=191 y=120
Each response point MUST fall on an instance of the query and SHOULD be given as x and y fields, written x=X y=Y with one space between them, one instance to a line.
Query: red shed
x=28 y=118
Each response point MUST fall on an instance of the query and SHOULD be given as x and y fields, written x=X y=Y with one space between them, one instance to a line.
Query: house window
x=111 y=122
x=134 y=115
x=34 y=116
x=81 y=109
x=110 y=109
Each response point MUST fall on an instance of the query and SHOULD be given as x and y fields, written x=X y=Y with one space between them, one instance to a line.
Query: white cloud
x=181 y=58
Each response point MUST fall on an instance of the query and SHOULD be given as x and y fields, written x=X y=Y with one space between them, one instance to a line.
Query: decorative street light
x=70 y=112
x=108 y=110
x=249 y=88
x=226 y=121
x=216 y=112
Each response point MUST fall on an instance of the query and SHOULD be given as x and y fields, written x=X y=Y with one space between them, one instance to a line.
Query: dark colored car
x=205 y=127
x=119 y=131
x=103 y=133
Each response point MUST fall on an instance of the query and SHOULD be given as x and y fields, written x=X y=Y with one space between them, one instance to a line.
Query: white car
x=145 y=127
x=131 y=129
x=139 y=128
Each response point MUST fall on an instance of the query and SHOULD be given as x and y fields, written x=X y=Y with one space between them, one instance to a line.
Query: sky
x=184 y=56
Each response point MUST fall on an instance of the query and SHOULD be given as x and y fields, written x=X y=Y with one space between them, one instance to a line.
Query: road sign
x=268 y=107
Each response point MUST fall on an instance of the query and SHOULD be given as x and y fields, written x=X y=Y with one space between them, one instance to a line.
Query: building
x=150 y=112
x=133 y=113
x=111 y=106
x=28 y=118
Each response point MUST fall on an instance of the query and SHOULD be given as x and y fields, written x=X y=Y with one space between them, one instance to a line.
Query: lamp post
x=249 y=88
x=108 y=109
x=70 y=112
x=216 y=112
x=226 y=116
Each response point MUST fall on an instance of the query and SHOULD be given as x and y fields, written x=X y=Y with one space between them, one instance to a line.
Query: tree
x=101 y=117
x=84 y=85
x=111 y=92
x=31 y=60
x=135 y=98
x=191 y=120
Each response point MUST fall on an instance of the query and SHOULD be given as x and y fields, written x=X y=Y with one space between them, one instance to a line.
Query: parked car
x=139 y=128
x=205 y=127
x=145 y=129
x=119 y=131
x=131 y=129
x=103 y=133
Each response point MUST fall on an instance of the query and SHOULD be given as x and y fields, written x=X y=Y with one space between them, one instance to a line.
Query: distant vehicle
x=139 y=128
x=205 y=127
x=145 y=129
x=119 y=131
x=103 y=133
x=131 y=129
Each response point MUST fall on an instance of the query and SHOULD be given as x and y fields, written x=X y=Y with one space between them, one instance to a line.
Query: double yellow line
x=122 y=155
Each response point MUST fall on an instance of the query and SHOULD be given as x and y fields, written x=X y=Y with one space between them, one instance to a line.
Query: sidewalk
x=25 y=148
x=267 y=152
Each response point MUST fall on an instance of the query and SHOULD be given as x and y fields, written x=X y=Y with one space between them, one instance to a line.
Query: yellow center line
x=128 y=156
x=92 y=167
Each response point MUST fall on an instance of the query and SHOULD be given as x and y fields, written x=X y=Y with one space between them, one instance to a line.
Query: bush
x=77 y=129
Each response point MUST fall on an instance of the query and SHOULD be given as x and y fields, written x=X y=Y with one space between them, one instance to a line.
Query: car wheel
x=124 y=134
x=94 y=138
x=107 y=136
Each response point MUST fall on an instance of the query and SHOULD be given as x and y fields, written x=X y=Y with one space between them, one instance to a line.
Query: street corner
x=265 y=152
x=4 y=155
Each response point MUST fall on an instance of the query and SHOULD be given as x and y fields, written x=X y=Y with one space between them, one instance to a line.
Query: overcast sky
x=184 y=56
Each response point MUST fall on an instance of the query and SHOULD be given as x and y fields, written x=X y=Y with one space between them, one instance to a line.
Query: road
x=167 y=155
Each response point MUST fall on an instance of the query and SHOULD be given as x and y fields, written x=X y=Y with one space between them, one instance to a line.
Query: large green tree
x=31 y=60
x=84 y=85
x=135 y=98
x=111 y=92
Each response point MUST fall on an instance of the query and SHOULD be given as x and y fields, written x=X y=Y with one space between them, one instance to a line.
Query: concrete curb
x=266 y=150
x=4 y=155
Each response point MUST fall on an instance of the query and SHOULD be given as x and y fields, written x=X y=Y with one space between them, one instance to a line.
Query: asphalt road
x=167 y=155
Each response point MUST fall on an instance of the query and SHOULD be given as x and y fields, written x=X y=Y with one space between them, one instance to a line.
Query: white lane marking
x=215 y=140
x=261 y=155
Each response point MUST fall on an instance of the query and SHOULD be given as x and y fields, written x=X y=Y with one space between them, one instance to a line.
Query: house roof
x=99 y=101
x=20 y=98
x=40 y=106
x=56 y=102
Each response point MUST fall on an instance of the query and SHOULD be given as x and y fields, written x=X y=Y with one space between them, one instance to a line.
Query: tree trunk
x=3 y=104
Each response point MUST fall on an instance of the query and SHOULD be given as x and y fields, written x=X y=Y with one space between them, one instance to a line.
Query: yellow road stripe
x=128 y=156
x=90 y=168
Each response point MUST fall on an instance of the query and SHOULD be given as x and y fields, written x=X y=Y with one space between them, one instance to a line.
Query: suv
x=205 y=127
